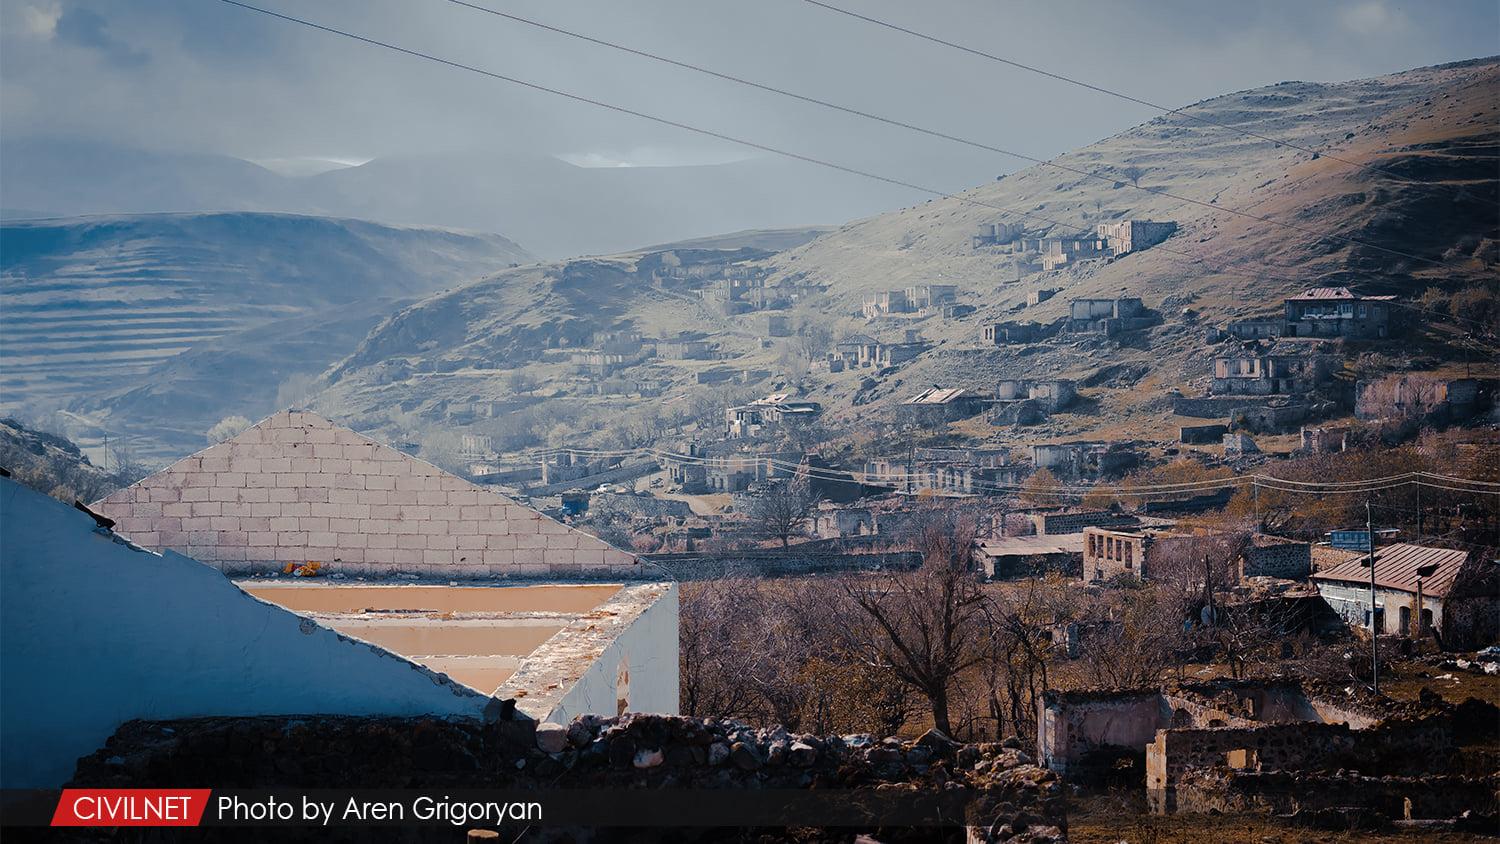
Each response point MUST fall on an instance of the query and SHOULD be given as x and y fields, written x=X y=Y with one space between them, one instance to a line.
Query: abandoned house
x=170 y=637
x=1251 y=373
x=983 y=473
x=928 y=296
x=1133 y=235
x=296 y=488
x=685 y=348
x=1142 y=553
x=1255 y=329
x=1108 y=316
x=1001 y=333
x=749 y=420
x=1036 y=297
x=1027 y=556
x=1434 y=591
x=1275 y=746
x=885 y=303
x=938 y=404
x=1425 y=397
x=1323 y=440
x=1080 y=459
x=1058 y=252
x=1050 y=394
x=995 y=234
x=1337 y=312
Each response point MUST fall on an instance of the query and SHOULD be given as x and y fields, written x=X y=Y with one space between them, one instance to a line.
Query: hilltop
x=167 y=322
x=1434 y=126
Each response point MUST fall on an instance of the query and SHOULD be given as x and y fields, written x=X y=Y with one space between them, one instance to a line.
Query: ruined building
x=1133 y=235
x=1256 y=374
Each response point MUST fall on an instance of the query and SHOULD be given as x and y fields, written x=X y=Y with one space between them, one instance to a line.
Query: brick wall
x=296 y=488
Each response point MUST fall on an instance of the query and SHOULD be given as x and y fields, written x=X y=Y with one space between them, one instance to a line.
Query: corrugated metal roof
x=1335 y=293
x=1396 y=568
x=936 y=395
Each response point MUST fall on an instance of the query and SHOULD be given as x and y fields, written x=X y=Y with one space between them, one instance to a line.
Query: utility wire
x=1179 y=112
x=1092 y=174
x=1223 y=269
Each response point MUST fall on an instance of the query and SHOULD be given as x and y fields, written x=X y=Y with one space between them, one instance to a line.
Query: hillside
x=207 y=314
x=54 y=465
x=1435 y=126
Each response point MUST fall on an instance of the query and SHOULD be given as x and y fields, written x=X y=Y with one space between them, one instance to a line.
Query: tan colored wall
x=296 y=488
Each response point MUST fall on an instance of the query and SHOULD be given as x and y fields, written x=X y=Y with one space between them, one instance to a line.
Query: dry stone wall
x=1010 y=798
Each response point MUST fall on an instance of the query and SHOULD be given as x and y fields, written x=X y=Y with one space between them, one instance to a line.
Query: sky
x=204 y=76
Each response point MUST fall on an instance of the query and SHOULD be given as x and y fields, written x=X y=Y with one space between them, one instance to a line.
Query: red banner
x=131 y=807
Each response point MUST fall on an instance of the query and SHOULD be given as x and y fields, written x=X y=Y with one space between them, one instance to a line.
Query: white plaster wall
x=94 y=632
x=295 y=488
x=649 y=648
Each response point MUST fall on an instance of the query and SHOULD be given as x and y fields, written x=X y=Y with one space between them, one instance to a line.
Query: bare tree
x=227 y=428
x=926 y=626
x=780 y=512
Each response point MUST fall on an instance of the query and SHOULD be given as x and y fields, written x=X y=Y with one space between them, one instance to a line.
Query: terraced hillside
x=96 y=307
x=1434 y=128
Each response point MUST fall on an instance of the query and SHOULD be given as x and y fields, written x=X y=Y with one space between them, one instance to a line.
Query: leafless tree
x=780 y=512
x=926 y=626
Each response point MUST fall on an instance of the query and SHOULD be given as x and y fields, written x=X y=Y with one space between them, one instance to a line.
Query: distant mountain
x=54 y=464
x=1432 y=126
x=175 y=320
x=557 y=209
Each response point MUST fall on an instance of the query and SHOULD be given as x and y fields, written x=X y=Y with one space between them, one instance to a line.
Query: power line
x=1092 y=174
x=1222 y=269
x=1389 y=174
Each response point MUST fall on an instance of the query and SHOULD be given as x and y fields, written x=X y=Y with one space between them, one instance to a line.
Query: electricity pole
x=1374 y=625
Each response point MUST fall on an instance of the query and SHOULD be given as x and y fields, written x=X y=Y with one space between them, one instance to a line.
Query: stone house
x=1251 y=373
x=1431 y=590
x=748 y=420
x=1132 y=235
x=1108 y=316
x=885 y=303
x=685 y=348
x=1109 y=553
x=993 y=234
x=939 y=405
x=1323 y=440
x=924 y=296
x=1000 y=333
x=1078 y=459
x=1337 y=312
x=1255 y=329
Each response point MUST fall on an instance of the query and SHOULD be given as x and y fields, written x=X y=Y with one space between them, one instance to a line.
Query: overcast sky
x=203 y=76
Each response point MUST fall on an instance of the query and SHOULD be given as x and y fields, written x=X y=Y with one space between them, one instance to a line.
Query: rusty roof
x=1396 y=568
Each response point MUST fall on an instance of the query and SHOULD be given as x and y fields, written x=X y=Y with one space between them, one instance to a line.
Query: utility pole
x=1374 y=627
x=1255 y=497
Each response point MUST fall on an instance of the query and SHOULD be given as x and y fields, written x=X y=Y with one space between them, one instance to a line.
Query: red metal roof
x=1396 y=568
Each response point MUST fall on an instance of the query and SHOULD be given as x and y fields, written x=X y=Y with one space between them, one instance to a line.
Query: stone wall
x=1013 y=799
x=1399 y=748
x=1291 y=560
x=295 y=488
x=1079 y=734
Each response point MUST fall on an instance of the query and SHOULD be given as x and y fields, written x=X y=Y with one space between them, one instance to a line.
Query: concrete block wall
x=295 y=488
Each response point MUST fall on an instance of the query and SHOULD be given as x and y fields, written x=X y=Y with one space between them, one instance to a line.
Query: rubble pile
x=1013 y=799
